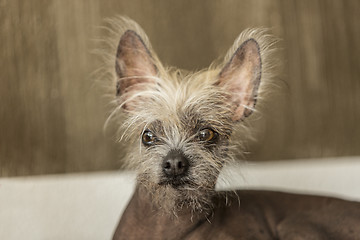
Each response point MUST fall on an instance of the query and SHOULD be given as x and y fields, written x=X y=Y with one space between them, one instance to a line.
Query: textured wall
x=51 y=115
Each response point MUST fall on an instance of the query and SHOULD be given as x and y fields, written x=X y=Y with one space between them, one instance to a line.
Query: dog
x=179 y=127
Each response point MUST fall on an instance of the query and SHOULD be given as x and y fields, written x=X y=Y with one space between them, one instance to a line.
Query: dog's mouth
x=175 y=182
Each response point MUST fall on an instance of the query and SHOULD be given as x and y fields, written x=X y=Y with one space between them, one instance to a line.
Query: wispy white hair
x=175 y=83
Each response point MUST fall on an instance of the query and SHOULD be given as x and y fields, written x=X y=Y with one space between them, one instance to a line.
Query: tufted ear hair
x=240 y=78
x=135 y=69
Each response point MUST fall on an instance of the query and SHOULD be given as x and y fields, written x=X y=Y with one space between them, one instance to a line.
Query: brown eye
x=207 y=134
x=148 y=138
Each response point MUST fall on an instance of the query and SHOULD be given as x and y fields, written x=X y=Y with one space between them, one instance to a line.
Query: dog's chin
x=173 y=195
x=180 y=194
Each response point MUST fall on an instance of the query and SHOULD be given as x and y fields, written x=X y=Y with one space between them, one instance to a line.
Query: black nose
x=175 y=164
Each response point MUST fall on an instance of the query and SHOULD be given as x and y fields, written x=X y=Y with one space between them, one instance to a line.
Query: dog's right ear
x=135 y=69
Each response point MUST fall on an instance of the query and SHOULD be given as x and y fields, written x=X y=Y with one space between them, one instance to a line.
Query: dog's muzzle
x=175 y=166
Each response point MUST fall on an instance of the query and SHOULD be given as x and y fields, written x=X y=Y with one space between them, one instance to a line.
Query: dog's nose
x=175 y=164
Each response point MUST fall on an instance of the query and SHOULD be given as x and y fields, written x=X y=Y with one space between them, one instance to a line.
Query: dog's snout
x=175 y=164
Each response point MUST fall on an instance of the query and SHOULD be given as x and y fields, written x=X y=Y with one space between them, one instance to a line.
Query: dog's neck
x=142 y=217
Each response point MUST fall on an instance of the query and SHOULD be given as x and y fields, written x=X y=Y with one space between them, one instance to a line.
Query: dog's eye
x=207 y=134
x=148 y=138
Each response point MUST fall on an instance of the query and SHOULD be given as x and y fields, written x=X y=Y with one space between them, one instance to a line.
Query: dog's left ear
x=240 y=78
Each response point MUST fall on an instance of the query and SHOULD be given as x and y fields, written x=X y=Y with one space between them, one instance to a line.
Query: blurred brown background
x=51 y=116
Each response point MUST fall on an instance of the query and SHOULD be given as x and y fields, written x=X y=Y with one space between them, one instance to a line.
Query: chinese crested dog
x=179 y=127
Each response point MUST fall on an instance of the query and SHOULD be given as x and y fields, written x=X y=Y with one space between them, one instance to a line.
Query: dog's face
x=182 y=123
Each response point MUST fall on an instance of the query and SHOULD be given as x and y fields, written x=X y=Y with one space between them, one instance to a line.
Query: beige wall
x=51 y=116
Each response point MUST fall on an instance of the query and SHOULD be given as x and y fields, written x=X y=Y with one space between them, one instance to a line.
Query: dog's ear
x=241 y=78
x=135 y=69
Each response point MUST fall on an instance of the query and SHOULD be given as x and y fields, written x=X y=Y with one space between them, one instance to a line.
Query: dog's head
x=181 y=123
